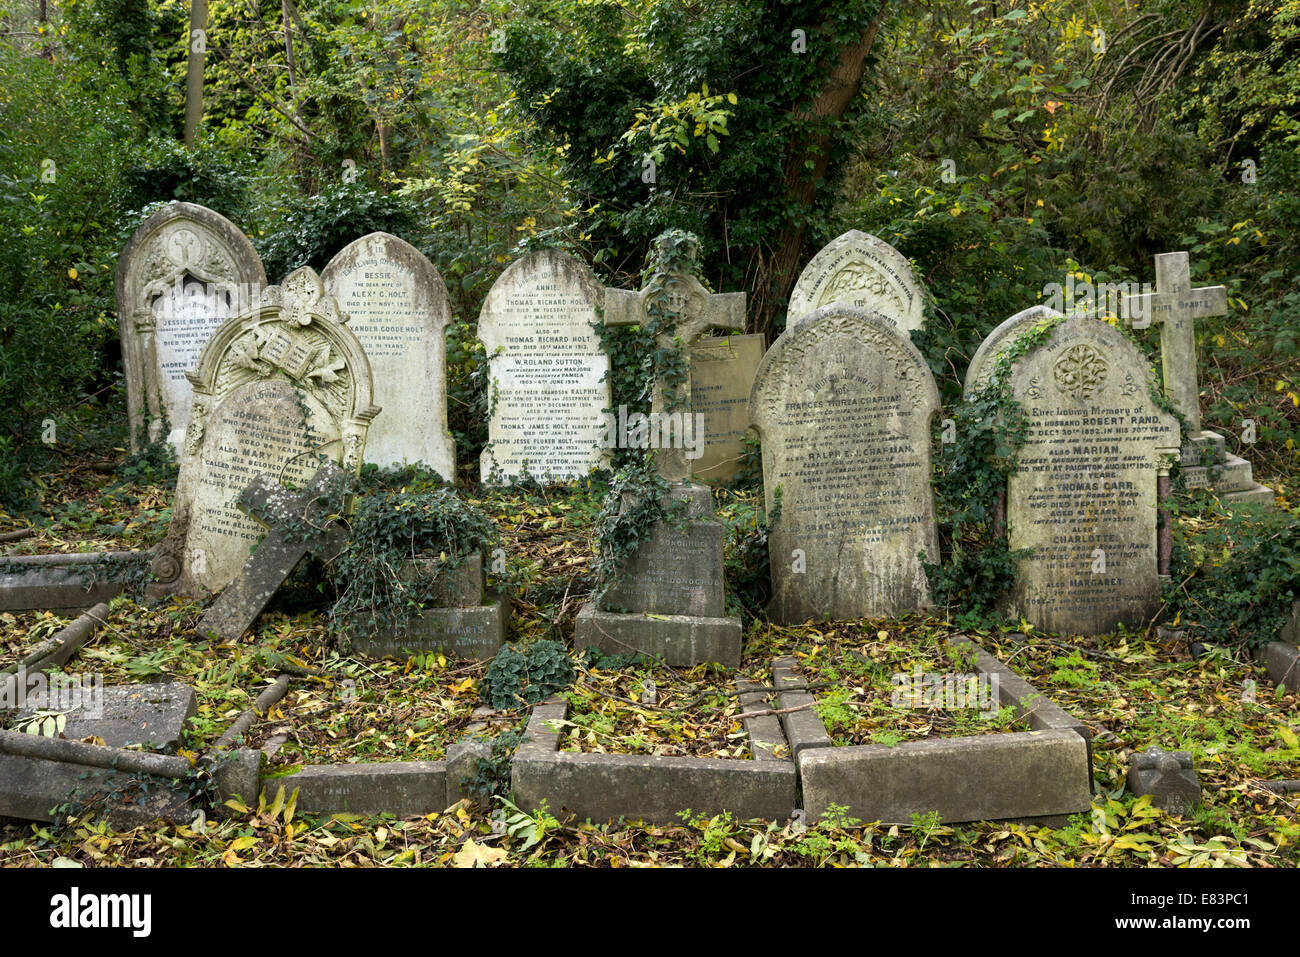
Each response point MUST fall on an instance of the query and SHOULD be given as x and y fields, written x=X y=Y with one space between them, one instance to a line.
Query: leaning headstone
x=549 y=375
x=843 y=404
x=299 y=524
x=1168 y=776
x=669 y=597
x=278 y=390
x=863 y=271
x=396 y=304
x=1084 y=497
x=183 y=273
x=1001 y=339
x=722 y=373
x=1175 y=306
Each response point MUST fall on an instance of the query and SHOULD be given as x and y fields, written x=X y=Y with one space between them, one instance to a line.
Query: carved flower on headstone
x=1080 y=372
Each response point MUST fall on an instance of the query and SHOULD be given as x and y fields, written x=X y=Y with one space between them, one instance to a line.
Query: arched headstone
x=863 y=271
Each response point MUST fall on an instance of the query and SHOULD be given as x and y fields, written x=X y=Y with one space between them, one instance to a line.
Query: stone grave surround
x=549 y=374
x=722 y=375
x=277 y=390
x=1175 y=306
x=843 y=403
x=184 y=272
x=1001 y=339
x=396 y=304
x=1085 y=493
x=863 y=271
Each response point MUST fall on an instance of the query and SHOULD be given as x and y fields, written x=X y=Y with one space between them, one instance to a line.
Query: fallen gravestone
x=1084 y=496
x=396 y=304
x=549 y=375
x=1175 y=306
x=151 y=716
x=859 y=270
x=1168 y=776
x=843 y=404
x=278 y=391
x=183 y=273
x=300 y=524
x=722 y=374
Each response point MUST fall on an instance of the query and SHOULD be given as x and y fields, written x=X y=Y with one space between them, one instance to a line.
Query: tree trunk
x=776 y=277
x=197 y=47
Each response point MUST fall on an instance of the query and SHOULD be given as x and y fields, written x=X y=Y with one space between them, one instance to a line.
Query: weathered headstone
x=843 y=404
x=694 y=311
x=722 y=374
x=278 y=390
x=396 y=304
x=1000 y=339
x=299 y=524
x=1176 y=306
x=183 y=273
x=151 y=716
x=549 y=387
x=1168 y=776
x=669 y=598
x=1084 y=494
x=860 y=270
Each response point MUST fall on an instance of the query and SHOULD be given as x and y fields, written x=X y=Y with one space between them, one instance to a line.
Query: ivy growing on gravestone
x=991 y=428
x=376 y=586
x=638 y=499
x=517 y=678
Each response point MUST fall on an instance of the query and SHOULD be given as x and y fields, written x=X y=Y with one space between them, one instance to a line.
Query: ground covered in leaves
x=1132 y=689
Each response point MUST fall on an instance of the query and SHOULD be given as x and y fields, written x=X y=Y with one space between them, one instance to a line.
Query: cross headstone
x=693 y=311
x=396 y=304
x=1175 y=305
x=299 y=524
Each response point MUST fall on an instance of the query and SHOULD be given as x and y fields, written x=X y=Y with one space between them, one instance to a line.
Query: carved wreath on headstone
x=859 y=278
x=1080 y=371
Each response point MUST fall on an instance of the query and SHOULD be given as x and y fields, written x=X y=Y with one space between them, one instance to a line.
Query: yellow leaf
x=1288 y=736
x=242 y=843
x=478 y=855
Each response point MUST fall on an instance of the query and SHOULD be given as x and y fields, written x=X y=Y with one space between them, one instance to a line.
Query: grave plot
x=886 y=683
x=911 y=767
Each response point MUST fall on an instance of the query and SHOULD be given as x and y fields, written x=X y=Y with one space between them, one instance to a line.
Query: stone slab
x=766 y=742
x=992 y=777
x=64 y=582
x=401 y=788
x=722 y=374
x=803 y=729
x=1234 y=474
x=472 y=633
x=677 y=640
x=148 y=715
x=1282 y=659
x=459 y=587
x=1259 y=494
x=30 y=788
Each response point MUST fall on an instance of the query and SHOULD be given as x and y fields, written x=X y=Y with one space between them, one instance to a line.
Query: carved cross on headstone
x=1176 y=306
x=298 y=527
x=696 y=311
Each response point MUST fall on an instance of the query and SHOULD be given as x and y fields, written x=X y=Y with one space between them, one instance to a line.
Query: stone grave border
x=654 y=788
x=68 y=581
x=1042 y=775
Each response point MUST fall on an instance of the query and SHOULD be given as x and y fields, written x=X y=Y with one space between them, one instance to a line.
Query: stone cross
x=1176 y=305
x=696 y=311
x=297 y=527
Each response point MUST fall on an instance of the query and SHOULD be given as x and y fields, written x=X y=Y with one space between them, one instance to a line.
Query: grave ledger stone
x=1084 y=495
x=722 y=375
x=860 y=270
x=843 y=404
x=548 y=373
x=183 y=273
x=396 y=304
x=1175 y=306
x=278 y=390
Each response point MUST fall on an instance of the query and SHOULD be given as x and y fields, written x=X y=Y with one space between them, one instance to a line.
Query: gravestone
x=722 y=373
x=1084 y=493
x=669 y=597
x=184 y=272
x=1001 y=339
x=149 y=716
x=549 y=387
x=1175 y=306
x=843 y=404
x=863 y=271
x=299 y=524
x=1168 y=776
x=278 y=390
x=396 y=304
